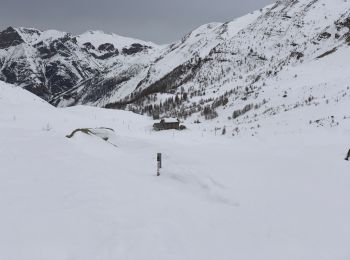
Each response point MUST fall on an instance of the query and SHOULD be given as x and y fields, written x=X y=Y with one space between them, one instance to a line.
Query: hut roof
x=170 y=120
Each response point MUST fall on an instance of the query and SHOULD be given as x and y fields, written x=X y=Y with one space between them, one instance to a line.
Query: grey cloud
x=161 y=21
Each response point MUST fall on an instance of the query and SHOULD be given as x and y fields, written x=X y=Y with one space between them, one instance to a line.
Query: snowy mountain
x=244 y=64
x=49 y=63
x=235 y=66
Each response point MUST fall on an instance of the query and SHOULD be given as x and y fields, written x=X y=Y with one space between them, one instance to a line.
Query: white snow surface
x=282 y=194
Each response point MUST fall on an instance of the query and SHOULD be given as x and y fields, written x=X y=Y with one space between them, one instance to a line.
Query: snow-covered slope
x=282 y=194
x=197 y=44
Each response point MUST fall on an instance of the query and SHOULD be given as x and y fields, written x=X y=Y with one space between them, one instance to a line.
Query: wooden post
x=348 y=156
x=159 y=163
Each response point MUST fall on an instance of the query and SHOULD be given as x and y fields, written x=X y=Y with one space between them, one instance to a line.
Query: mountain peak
x=99 y=37
x=10 y=37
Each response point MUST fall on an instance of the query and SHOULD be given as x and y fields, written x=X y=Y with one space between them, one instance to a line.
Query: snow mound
x=11 y=95
x=283 y=193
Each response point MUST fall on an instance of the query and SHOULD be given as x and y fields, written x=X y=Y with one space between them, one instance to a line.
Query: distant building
x=166 y=124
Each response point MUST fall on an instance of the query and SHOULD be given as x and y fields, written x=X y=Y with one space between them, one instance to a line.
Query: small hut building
x=166 y=124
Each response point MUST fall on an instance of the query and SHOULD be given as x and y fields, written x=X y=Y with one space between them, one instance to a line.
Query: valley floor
x=282 y=194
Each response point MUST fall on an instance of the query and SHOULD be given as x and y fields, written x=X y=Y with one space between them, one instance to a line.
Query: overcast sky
x=161 y=21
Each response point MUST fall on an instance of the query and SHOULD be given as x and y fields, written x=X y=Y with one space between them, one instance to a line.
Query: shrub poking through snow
x=103 y=132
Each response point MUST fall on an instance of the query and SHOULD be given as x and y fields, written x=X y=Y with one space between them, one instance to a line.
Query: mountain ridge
x=216 y=65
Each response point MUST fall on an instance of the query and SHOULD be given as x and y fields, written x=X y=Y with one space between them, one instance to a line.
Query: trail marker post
x=159 y=163
x=348 y=156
